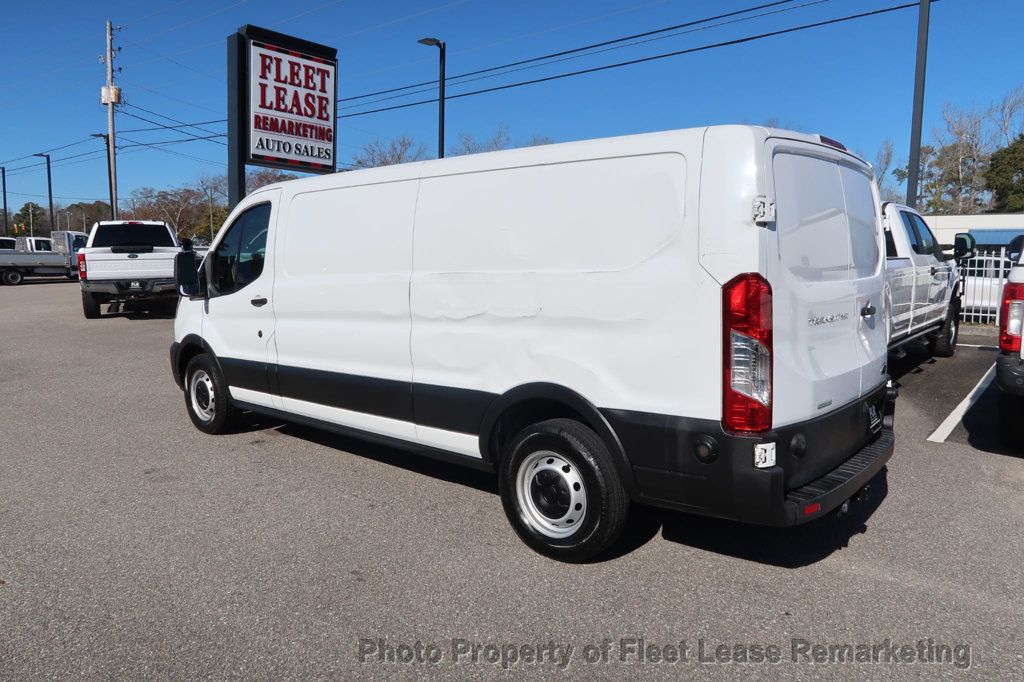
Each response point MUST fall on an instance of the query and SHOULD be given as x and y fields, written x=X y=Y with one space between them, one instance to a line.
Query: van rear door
x=827 y=280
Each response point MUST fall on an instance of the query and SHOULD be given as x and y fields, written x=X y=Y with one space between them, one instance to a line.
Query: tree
x=501 y=139
x=468 y=144
x=883 y=164
x=1004 y=177
x=32 y=219
x=1008 y=115
x=401 y=149
x=263 y=177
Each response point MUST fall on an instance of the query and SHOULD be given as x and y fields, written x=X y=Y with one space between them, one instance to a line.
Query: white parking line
x=974 y=345
x=940 y=434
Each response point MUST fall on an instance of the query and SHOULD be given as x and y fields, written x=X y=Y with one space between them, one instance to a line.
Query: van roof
x=472 y=162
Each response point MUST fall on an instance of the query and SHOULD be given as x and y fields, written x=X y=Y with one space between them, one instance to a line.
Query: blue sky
x=851 y=81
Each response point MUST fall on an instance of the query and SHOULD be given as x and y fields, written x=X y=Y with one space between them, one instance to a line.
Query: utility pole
x=3 y=176
x=111 y=96
x=915 y=126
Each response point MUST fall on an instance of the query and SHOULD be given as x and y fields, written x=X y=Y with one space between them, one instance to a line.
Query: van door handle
x=867 y=311
x=259 y=301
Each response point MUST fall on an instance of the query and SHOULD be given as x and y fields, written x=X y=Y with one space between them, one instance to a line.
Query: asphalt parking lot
x=132 y=545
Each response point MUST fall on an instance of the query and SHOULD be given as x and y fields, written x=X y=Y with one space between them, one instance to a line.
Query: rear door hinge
x=764 y=210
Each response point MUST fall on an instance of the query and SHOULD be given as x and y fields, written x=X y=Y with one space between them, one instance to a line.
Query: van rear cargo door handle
x=867 y=311
x=259 y=301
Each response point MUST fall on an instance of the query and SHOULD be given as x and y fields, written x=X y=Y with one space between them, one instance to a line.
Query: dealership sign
x=291 y=107
x=282 y=96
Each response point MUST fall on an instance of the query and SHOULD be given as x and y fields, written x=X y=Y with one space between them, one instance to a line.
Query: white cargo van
x=689 y=319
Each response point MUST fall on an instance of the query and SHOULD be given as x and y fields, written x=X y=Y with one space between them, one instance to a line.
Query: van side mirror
x=186 y=244
x=1015 y=247
x=964 y=246
x=186 y=275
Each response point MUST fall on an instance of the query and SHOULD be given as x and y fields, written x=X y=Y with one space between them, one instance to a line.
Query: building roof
x=995 y=237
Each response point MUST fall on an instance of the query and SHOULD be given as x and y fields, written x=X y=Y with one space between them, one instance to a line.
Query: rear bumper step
x=828 y=492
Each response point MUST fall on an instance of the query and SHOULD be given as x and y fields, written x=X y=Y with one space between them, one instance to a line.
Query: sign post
x=282 y=98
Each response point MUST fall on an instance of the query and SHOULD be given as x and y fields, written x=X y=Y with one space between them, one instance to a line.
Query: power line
x=631 y=62
x=175 y=127
x=182 y=123
x=41 y=164
x=171 y=151
x=561 y=53
x=46 y=151
x=620 y=46
x=161 y=143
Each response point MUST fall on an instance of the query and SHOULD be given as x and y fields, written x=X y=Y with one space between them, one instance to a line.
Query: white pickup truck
x=922 y=283
x=43 y=256
x=128 y=261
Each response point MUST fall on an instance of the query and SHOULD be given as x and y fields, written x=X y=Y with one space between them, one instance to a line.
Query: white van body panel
x=508 y=292
x=341 y=294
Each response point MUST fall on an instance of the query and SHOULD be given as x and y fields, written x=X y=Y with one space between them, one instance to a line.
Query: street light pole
x=49 y=185
x=110 y=173
x=440 y=93
x=915 y=126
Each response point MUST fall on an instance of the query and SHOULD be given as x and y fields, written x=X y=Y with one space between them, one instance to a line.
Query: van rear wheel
x=561 y=492
x=206 y=396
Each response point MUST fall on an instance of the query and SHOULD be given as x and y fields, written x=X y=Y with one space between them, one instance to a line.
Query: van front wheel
x=561 y=492
x=206 y=396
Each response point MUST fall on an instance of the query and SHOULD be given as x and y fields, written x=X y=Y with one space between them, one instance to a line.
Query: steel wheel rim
x=551 y=494
x=202 y=395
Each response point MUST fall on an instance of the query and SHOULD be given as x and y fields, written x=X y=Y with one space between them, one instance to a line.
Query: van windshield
x=130 y=235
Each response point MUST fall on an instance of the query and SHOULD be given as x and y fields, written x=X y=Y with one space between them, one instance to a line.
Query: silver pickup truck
x=43 y=256
x=128 y=261
x=922 y=293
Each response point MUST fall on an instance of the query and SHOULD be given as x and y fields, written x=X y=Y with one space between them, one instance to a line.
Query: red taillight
x=812 y=508
x=1011 y=317
x=747 y=353
x=81 y=265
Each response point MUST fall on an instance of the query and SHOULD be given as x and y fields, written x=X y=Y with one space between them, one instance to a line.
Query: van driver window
x=238 y=259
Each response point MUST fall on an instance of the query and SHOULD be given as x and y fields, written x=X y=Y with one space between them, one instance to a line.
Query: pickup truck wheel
x=90 y=306
x=206 y=396
x=561 y=492
x=943 y=344
x=13 y=277
x=1011 y=420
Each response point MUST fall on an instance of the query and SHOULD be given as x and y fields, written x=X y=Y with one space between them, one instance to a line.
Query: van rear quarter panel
x=580 y=272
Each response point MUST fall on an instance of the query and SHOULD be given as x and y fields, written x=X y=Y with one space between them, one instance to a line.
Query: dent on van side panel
x=578 y=273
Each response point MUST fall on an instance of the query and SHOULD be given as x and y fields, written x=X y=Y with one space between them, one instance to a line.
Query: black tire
x=90 y=306
x=1011 y=420
x=583 y=456
x=13 y=277
x=943 y=344
x=218 y=415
